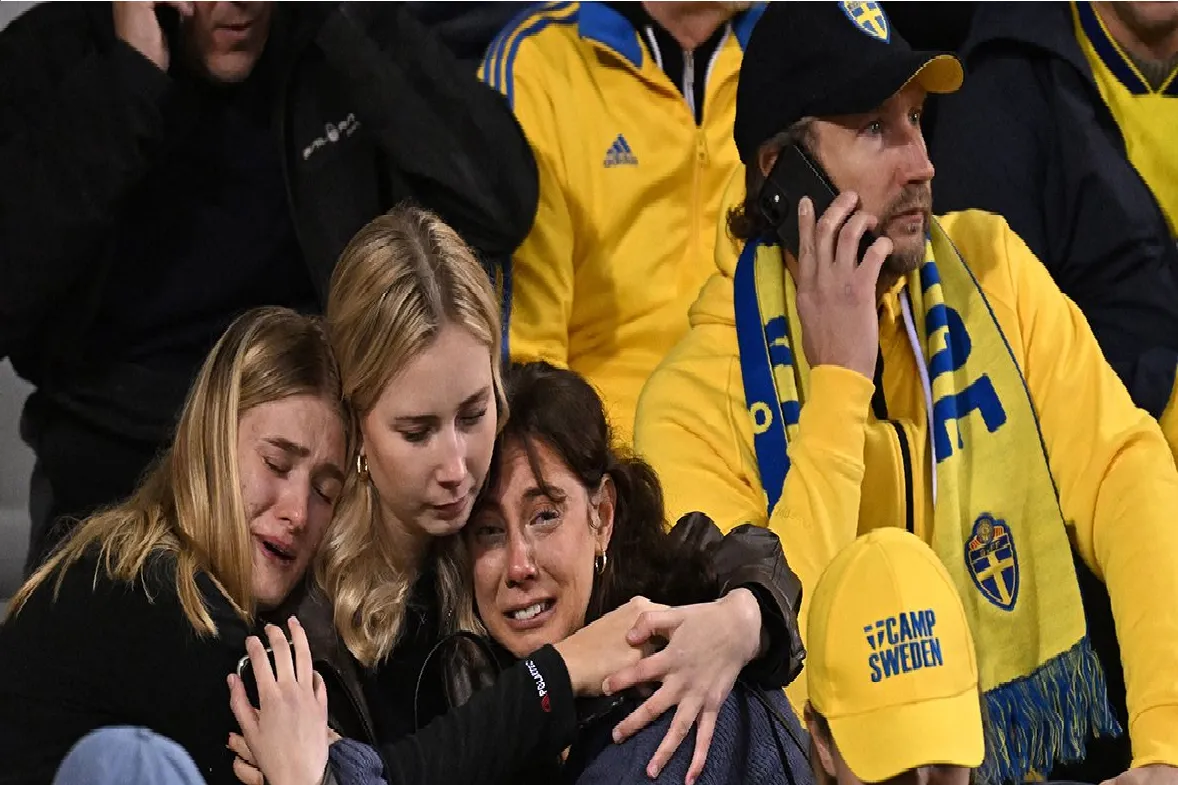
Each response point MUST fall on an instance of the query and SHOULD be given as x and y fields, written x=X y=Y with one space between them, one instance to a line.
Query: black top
x=1029 y=137
x=129 y=236
x=402 y=693
x=112 y=656
x=109 y=655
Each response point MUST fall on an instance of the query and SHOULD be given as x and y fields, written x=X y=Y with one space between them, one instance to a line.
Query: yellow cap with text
x=891 y=662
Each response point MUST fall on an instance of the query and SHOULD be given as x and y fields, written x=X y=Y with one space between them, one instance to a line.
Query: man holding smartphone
x=167 y=166
x=938 y=381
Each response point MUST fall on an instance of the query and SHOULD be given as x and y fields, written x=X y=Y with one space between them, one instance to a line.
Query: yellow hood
x=714 y=304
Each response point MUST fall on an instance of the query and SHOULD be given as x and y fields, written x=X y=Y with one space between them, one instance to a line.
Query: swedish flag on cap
x=869 y=18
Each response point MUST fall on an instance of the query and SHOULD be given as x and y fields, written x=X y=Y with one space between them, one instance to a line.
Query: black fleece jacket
x=370 y=110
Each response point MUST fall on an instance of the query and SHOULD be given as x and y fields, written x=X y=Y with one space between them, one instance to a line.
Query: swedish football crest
x=869 y=18
x=992 y=561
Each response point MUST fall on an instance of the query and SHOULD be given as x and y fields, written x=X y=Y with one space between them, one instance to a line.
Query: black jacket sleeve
x=751 y=557
x=81 y=110
x=454 y=138
x=529 y=714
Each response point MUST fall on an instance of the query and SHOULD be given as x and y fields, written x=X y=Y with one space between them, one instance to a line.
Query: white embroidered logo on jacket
x=332 y=133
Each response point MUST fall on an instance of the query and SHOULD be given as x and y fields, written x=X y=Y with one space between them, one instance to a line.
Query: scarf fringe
x=1045 y=718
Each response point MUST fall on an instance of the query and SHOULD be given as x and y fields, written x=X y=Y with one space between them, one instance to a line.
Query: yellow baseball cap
x=891 y=661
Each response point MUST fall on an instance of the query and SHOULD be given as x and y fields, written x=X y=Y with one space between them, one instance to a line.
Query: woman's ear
x=604 y=502
x=821 y=743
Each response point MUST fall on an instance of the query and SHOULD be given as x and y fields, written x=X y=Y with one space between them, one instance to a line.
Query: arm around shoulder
x=750 y=557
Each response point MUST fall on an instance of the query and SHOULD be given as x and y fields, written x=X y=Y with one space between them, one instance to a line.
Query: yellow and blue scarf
x=998 y=526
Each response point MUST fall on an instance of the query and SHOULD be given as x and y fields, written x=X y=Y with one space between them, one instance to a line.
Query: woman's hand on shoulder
x=707 y=646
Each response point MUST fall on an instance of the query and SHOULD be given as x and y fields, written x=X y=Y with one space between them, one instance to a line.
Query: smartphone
x=245 y=672
x=794 y=175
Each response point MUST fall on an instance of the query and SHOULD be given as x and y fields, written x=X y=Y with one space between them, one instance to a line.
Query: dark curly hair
x=561 y=410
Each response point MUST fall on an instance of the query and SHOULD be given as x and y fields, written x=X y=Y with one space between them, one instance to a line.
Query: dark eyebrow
x=430 y=419
x=416 y=419
x=551 y=493
x=491 y=503
x=289 y=447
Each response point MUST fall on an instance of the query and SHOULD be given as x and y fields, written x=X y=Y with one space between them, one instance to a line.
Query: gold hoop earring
x=599 y=562
x=362 y=467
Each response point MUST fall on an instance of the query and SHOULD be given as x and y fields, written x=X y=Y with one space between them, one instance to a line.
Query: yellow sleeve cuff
x=836 y=411
x=1154 y=733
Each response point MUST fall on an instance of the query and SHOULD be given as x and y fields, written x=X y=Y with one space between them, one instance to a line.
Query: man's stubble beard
x=902 y=262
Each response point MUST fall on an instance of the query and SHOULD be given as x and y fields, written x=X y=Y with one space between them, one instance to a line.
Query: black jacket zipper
x=880 y=407
x=906 y=457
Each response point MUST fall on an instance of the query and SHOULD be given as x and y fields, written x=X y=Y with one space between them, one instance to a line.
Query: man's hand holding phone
x=836 y=293
x=287 y=733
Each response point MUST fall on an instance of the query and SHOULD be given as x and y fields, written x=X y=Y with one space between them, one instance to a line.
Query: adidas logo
x=620 y=154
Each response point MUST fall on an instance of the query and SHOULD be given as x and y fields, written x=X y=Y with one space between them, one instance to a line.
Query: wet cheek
x=484 y=595
x=487 y=573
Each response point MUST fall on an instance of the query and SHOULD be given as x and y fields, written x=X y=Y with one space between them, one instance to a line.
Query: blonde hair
x=401 y=279
x=190 y=504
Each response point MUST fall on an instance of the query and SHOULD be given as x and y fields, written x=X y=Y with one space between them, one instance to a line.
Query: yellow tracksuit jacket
x=1115 y=473
x=630 y=191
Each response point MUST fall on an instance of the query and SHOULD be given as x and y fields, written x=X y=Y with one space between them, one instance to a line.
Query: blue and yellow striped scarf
x=998 y=526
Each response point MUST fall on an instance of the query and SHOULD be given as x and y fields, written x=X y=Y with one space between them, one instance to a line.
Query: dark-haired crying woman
x=569 y=528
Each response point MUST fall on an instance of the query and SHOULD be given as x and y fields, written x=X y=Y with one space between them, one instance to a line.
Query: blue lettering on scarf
x=979 y=395
x=777 y=336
